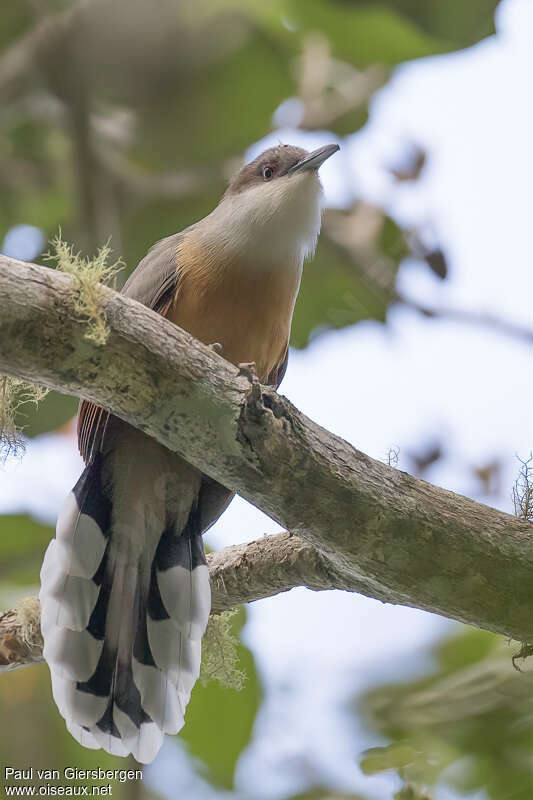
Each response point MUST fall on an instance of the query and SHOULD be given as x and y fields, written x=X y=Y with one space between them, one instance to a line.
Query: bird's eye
x=268 y=172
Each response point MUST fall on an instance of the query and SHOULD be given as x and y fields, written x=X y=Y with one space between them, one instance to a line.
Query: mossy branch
x=89 y=275
x=21 y=643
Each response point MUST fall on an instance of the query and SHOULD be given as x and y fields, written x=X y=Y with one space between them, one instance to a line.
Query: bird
x=125 y=594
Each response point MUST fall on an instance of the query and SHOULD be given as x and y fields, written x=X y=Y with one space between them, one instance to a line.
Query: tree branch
x=470 y=317
x=375 y=529
x=239 y=574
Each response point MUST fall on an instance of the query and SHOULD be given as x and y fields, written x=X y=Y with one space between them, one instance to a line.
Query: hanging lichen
x=220 y=657
x=14 y=392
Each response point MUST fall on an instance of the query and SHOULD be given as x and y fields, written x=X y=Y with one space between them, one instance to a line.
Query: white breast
x=275 y=223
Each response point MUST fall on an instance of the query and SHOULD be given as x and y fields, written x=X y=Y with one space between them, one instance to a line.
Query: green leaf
x=475 y=647
x=363 y=35
x=219 y=721
x=394 y=756
x=458 y=22
x=471 y=708
x=334 y=294
x=391 y=31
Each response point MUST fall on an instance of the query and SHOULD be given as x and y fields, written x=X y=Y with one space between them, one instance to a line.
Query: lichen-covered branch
x=371 y=528
x=247 y=572
x=239 y=574
x=21 y=642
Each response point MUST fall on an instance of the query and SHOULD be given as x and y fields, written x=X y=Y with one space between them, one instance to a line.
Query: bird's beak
x=315 y=159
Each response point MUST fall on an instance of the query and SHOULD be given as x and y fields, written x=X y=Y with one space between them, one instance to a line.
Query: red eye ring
x=268 y=172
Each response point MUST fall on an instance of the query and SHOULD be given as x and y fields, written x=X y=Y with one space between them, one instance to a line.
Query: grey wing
x=277 y=374
x=153 y=283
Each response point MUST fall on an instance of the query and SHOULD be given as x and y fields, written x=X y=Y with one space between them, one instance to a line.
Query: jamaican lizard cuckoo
x=124 y=585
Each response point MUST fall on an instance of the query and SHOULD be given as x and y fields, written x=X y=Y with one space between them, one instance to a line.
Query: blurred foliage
x=467 y=724
x=454 y=21
x=22 y=545
x=325 y=794
x=219 y=720
x=118 y=121
x=53 y=412
x=26 y=695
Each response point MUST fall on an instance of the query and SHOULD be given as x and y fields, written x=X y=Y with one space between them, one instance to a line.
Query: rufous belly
x=246 y=309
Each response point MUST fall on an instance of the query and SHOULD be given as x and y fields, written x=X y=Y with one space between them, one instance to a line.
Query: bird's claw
x=248 y=369
x=216 y=346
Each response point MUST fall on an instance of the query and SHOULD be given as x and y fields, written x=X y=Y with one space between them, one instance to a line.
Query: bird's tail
x=125 y=600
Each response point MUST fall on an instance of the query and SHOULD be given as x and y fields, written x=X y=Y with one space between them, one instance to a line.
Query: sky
x=400 y=385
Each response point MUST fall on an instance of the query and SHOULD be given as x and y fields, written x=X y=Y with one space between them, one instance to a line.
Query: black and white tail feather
x=125 y=600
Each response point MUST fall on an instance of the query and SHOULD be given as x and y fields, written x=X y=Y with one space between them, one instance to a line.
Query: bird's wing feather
x=154 y=283
x=277 y=374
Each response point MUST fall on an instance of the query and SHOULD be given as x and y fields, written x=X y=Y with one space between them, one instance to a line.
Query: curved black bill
x=315 y=159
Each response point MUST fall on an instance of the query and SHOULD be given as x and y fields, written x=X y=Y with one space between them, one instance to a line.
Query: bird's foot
x=216 y=346
x=248 y=369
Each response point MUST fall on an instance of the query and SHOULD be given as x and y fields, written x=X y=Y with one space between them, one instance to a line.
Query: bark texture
x=363 y=526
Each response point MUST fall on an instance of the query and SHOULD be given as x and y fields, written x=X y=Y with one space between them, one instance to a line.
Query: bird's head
x=286 y=167
x=272 y=208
